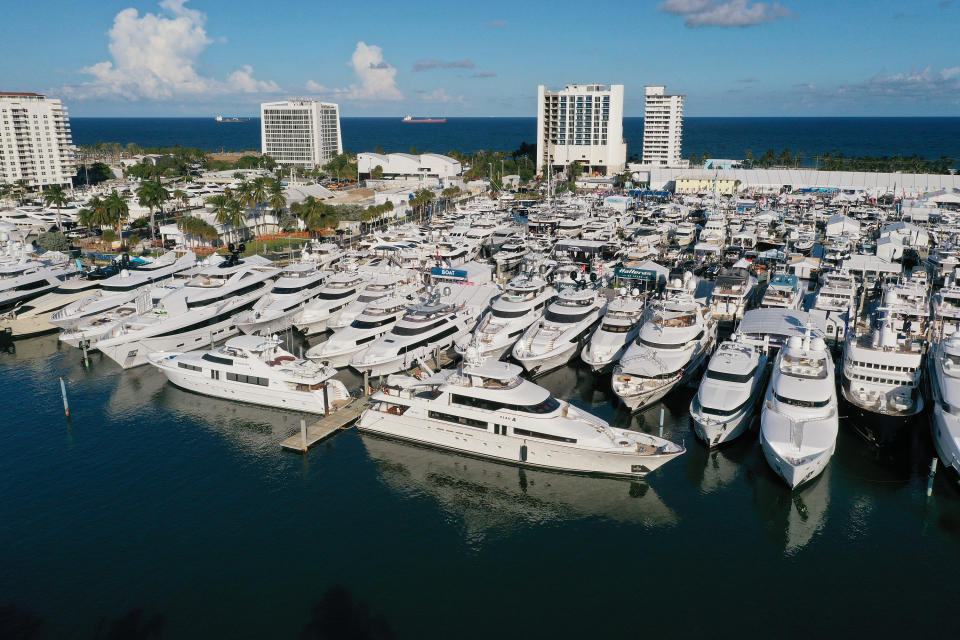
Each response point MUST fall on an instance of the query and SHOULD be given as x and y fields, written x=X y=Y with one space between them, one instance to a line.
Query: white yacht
x=906 y=307
x=376 y=320
x=339 y=290
x=256 y=370
x=487 y=409
x=121 y=289
x=783 y=292
x=619 y=327
x=521 y=304
x=24 y=276
x=672 y=347
x=33 y=317
x=424 y=328
x=397 y=282
x=296 y=286
x=943 y=363
x=684 y=234
x=946 y=308
x=553 y=340
x=187 y=317
x=729 y=393
x=799 y=421
x=837 y=300
x=881 y=380
x=733 y=293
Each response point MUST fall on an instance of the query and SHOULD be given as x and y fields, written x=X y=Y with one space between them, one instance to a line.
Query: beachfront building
x=426 y=167
x=581 y=123
x=300 y=132
x=662 y=128
x=706 y=183
x=35 y=141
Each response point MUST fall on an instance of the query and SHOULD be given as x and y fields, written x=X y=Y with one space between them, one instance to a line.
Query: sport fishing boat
x=943 y=363
x=881 y=381
x=256 y=370
x=487 y=409
x=553 y=340
x=729 y=393
x=619 y=327
x=671 y=349
x=799 y=421
x=510 y=313
x=426 y=327
x=183 y=318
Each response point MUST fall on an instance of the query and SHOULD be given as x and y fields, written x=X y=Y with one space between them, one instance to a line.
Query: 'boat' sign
x=448 y=273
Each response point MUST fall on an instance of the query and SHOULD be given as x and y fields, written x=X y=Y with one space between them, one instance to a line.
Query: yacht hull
x=523 y=452
x=945 y=430
x=714 y=433
x=133 y=353
x=539 y=364
x=879 y=429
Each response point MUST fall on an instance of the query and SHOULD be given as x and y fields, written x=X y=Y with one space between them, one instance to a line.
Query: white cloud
x=154 y=57
x=376 y=79
x=316 y=87
x=441 y=96
x=717 y=13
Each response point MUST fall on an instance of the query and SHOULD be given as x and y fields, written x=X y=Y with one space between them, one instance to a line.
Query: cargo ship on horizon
x=426 y=120
x=222 y=119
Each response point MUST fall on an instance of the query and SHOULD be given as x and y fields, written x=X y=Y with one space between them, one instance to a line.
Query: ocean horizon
x=717 y=136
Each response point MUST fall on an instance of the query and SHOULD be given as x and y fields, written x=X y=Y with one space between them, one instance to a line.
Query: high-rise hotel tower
x=581 y=123
x=300 y=132
x=35 y=141
x=662 y=128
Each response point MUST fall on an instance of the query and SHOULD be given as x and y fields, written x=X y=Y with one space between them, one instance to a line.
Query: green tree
x=748 y=159
x=276 y=198
x=259 y=193
x=152 y=194
x=53 y=241
x=377 y=172
x=117 y=210
x=56 y=197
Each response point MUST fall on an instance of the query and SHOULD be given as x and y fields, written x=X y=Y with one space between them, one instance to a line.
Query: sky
x=729 y=57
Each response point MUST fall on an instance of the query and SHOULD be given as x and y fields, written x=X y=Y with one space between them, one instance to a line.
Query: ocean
x=717 y=137
x=159 y=513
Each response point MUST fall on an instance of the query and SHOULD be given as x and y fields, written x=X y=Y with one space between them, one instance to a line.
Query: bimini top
x=780 y=322
x=785 y=280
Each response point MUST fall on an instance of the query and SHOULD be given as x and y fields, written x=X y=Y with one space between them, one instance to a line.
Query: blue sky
x=730 y=57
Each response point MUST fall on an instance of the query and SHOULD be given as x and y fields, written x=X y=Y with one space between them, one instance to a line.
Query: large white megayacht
x=729 y=393
x=24 y=276
x=672 y=346
x=943 y=364
x=617 y=329
x=395 y=282
x=733 y=294
x=339 y=290
x=783 y=292
x=487 y=409
x=520 y=305
x=117 y=291
x=188 y=317
x=881 y=380
x=553 y=340
x=799 y=422
x=376 y=320
x=296 y=286
x=836 y=301
x=257 y=370
x=430 y=325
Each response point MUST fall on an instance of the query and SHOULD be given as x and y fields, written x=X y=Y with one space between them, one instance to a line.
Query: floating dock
x=327 y=426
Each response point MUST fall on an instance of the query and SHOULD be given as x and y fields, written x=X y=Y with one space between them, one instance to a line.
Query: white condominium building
x=582 y=123
x=300 y=132
x=662 y=128
x=35 y=142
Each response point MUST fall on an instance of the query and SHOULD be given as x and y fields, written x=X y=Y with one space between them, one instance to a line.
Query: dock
x=327 y=426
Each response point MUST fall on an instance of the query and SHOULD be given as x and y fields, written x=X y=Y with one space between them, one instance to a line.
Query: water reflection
x=793 y=518
x=492 y=498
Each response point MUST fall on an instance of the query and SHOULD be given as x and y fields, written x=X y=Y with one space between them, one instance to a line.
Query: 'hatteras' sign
x=636 y=274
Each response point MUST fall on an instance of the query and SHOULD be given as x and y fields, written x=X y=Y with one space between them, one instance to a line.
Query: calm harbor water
x=158 y=509
x=718 y=137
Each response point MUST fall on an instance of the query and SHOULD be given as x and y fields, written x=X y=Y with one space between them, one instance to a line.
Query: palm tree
x=228 y=211
x=182 y=197
x=259 y=192
x=243 y=193
x=152 y=195
x=277 y=200
x=191 y=226
x=55 y=196
x=116 y=211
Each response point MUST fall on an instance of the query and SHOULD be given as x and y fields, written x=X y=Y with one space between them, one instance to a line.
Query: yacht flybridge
x=257 y=370
x=487 y=409
x=556 y=338
x=296 y=286
x=520 y=305
x=618 y=328
x=799 y=422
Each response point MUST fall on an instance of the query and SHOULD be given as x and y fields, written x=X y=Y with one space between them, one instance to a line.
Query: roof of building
x=21 y=93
